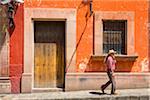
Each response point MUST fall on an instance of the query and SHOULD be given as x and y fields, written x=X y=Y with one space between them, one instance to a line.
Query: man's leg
x=106 y=85
x=103 y=87
x=113 y=85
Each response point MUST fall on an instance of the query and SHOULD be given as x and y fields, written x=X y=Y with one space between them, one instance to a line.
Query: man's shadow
x=98 y=93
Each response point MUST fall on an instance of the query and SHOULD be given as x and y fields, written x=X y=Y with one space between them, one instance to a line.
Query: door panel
x=45 y=65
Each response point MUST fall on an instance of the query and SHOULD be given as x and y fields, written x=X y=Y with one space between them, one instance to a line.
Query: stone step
x=5 y=85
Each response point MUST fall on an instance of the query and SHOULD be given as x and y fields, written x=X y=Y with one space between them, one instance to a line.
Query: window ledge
x=118 y=57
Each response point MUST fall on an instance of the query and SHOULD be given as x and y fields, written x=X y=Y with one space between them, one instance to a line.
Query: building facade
x=61 y=44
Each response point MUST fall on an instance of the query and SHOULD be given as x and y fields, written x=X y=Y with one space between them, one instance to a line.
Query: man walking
x=110 y=62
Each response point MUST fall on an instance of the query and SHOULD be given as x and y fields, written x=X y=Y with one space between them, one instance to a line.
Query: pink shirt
x=110 y=63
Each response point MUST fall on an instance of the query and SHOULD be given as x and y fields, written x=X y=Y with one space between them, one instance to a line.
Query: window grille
x=114 y=36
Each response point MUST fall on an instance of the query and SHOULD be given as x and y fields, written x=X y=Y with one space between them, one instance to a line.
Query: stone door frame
x=46 y=14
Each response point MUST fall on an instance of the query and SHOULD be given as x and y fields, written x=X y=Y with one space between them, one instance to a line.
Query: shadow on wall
x=3 y=25
x=4 y=38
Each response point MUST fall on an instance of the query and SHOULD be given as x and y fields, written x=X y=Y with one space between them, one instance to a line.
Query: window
x=115 y=36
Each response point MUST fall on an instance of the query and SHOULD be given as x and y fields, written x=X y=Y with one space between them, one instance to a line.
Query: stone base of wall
x=90 y=81
x=5 y=86
x=26 y=83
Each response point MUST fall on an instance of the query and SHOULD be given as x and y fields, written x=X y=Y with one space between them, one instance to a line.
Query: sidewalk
x=127 y=94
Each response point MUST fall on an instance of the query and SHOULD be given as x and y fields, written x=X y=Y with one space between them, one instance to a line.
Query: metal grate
x=114 y=36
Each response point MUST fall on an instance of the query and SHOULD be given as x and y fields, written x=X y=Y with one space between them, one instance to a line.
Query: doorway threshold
x=35 y=90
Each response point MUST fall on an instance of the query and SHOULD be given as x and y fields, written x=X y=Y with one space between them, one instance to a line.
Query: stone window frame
x=46 y=14
x=114 y=15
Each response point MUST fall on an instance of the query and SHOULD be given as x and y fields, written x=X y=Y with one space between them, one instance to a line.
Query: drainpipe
x=93 y=15
x=93 y=33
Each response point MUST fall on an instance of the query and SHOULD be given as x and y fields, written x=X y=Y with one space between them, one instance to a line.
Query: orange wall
x=16 y=51
x=85 y=48
x=83 y=30
x=140 y=8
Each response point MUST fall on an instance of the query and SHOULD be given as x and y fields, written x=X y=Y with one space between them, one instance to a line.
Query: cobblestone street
x=128 y=94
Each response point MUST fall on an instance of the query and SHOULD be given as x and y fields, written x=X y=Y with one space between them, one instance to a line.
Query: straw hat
x=112 y=51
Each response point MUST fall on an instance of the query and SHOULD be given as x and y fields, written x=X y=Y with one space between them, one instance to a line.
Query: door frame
x=64 y=36
x=32 y=14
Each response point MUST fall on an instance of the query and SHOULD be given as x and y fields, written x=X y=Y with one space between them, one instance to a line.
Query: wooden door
x=49 y=54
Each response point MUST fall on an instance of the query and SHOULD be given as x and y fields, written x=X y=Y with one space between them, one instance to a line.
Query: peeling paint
x=144 y=65
x=83 y=65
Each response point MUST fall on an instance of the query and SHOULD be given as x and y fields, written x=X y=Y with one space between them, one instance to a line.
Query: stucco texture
x=16 y=51
x=84 y=29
